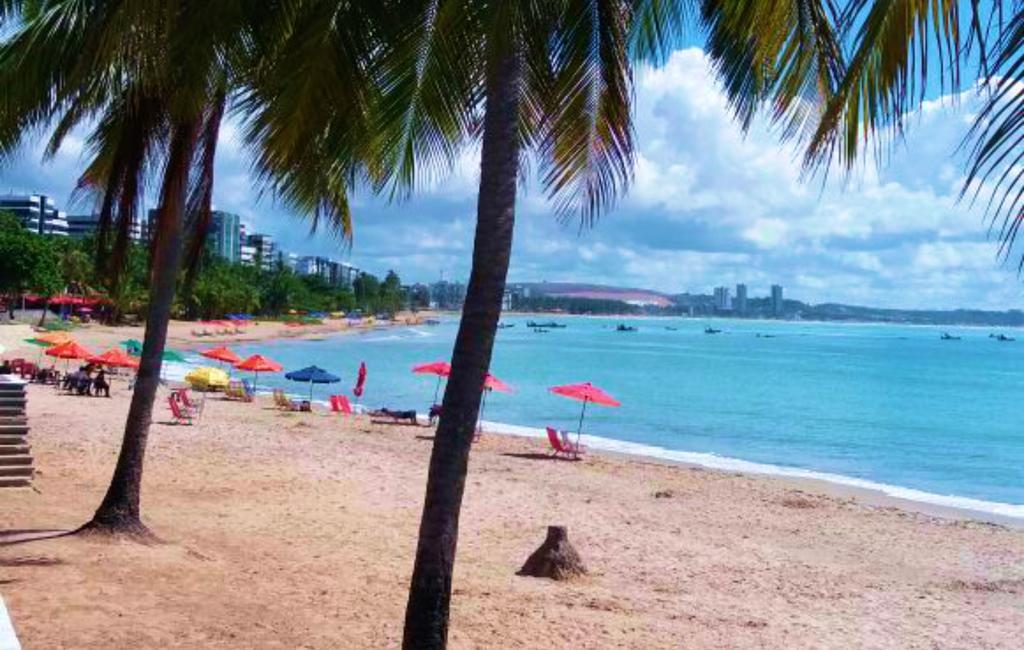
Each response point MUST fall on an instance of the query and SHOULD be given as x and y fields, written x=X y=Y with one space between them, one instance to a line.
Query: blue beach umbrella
x=312 y=375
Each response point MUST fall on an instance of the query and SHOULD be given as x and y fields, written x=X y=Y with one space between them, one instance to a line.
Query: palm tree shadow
x=533 y=456
x=25 y=535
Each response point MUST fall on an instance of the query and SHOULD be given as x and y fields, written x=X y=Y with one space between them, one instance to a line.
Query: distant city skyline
x=708 y=207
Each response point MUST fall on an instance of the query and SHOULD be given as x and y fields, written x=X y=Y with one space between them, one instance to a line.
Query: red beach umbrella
x=490 y=383
x=114 y=357
x=69 y=350
x=585 y=392
x=258 y=363
x=493 y=383
x=222 y=354
x=360 y=380
x=440 y=368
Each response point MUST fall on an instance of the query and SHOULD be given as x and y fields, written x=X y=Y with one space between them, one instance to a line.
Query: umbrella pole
x=437 y=387
x=480 y=418
x=579 y=430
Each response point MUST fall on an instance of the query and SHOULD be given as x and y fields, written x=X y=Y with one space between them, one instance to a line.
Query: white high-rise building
x=740 y=303
x=722 y=299
x=37 y=213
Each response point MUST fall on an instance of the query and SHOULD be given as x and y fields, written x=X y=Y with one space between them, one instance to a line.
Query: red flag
x=360 y=380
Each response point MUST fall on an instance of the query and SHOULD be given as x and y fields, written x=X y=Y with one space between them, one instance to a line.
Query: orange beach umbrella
x=54 y=338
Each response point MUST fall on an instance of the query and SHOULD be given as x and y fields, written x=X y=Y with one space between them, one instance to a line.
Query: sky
x=708 y=206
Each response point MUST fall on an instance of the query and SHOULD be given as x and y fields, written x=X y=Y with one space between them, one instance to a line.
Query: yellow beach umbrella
x=206 y=377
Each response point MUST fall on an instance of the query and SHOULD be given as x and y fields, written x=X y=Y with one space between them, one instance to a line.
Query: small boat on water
x=551 y=325
x=1003 y=337
x=947 y=337
x=712 y=330
x=672 y=329
x=625 y=328
x=505 y=326
x=431 y=321
x=540 y=330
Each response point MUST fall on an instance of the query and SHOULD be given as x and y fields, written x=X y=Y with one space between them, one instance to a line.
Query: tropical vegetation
x=332 y=93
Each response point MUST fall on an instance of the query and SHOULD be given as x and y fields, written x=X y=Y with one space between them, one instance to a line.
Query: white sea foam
x=715 y=461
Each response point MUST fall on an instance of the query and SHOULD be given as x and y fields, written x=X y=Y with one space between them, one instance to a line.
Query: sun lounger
x=340 y=404
x=563 y=447
x=185 y=401
x=284 y=403
x=238 y=390
x=181 y=415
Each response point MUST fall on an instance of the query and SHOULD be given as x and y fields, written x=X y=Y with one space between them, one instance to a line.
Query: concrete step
x=14 y=450
x=8 y=461
x=13 y=439
x=16 y=471
x=13 y=429
x=15 y=482
x=11 y=410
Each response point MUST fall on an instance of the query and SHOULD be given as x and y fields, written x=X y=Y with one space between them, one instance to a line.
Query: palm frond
x=430 y=74
x=585 y=144
x=898 y=47
x=198 y=208
x=784 y=53
x=996 y=165
x=657 y=26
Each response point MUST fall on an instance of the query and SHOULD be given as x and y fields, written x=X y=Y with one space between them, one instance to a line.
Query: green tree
x=391 y=295
x=154 y=77
x=28 y=262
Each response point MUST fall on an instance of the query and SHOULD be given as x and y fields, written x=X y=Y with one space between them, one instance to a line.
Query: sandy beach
x=189 y=335
x=290 y=530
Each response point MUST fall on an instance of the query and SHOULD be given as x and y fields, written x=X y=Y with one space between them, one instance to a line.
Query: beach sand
x=290 y=530
x=189 y=335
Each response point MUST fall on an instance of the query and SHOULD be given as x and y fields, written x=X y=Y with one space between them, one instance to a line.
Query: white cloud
x=709 y=205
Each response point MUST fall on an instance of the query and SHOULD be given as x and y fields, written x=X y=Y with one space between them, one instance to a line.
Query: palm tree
x=552 y=80
x=158 y=74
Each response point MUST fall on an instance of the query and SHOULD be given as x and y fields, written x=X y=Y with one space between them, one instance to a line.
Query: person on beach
x=99 y=383
x=5 y=367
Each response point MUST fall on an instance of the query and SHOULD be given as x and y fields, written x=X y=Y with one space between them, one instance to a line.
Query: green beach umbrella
x=134 y=346
x=39 y=344
x=173 y=355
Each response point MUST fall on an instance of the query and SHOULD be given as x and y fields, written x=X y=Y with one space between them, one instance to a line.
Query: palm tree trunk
x=426 y=615
x=46 y=308
x=120 y=510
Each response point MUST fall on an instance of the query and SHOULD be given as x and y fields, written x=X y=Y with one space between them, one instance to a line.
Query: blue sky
x=708 y=206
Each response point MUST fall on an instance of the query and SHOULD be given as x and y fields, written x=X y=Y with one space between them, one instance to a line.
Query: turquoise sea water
x=891 y=407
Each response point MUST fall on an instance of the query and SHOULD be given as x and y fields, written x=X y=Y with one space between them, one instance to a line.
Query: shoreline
x=298 y=530
x=870 y=491
x=873 y=492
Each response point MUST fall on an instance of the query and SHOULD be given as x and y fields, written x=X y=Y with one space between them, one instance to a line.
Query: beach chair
x=563 y=447
x=340 y=404
x=282 y=402
x=248 y=391
x=181 y=415
x=186 y=401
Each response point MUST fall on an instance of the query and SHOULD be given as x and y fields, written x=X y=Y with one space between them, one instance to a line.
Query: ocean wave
x=725 y=463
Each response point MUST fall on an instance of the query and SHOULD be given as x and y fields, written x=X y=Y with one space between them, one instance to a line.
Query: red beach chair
x=181 y=415
x=340 y=404
x=564 y=448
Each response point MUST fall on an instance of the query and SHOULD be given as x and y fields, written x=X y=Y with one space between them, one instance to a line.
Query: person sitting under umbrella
x=99 y=383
